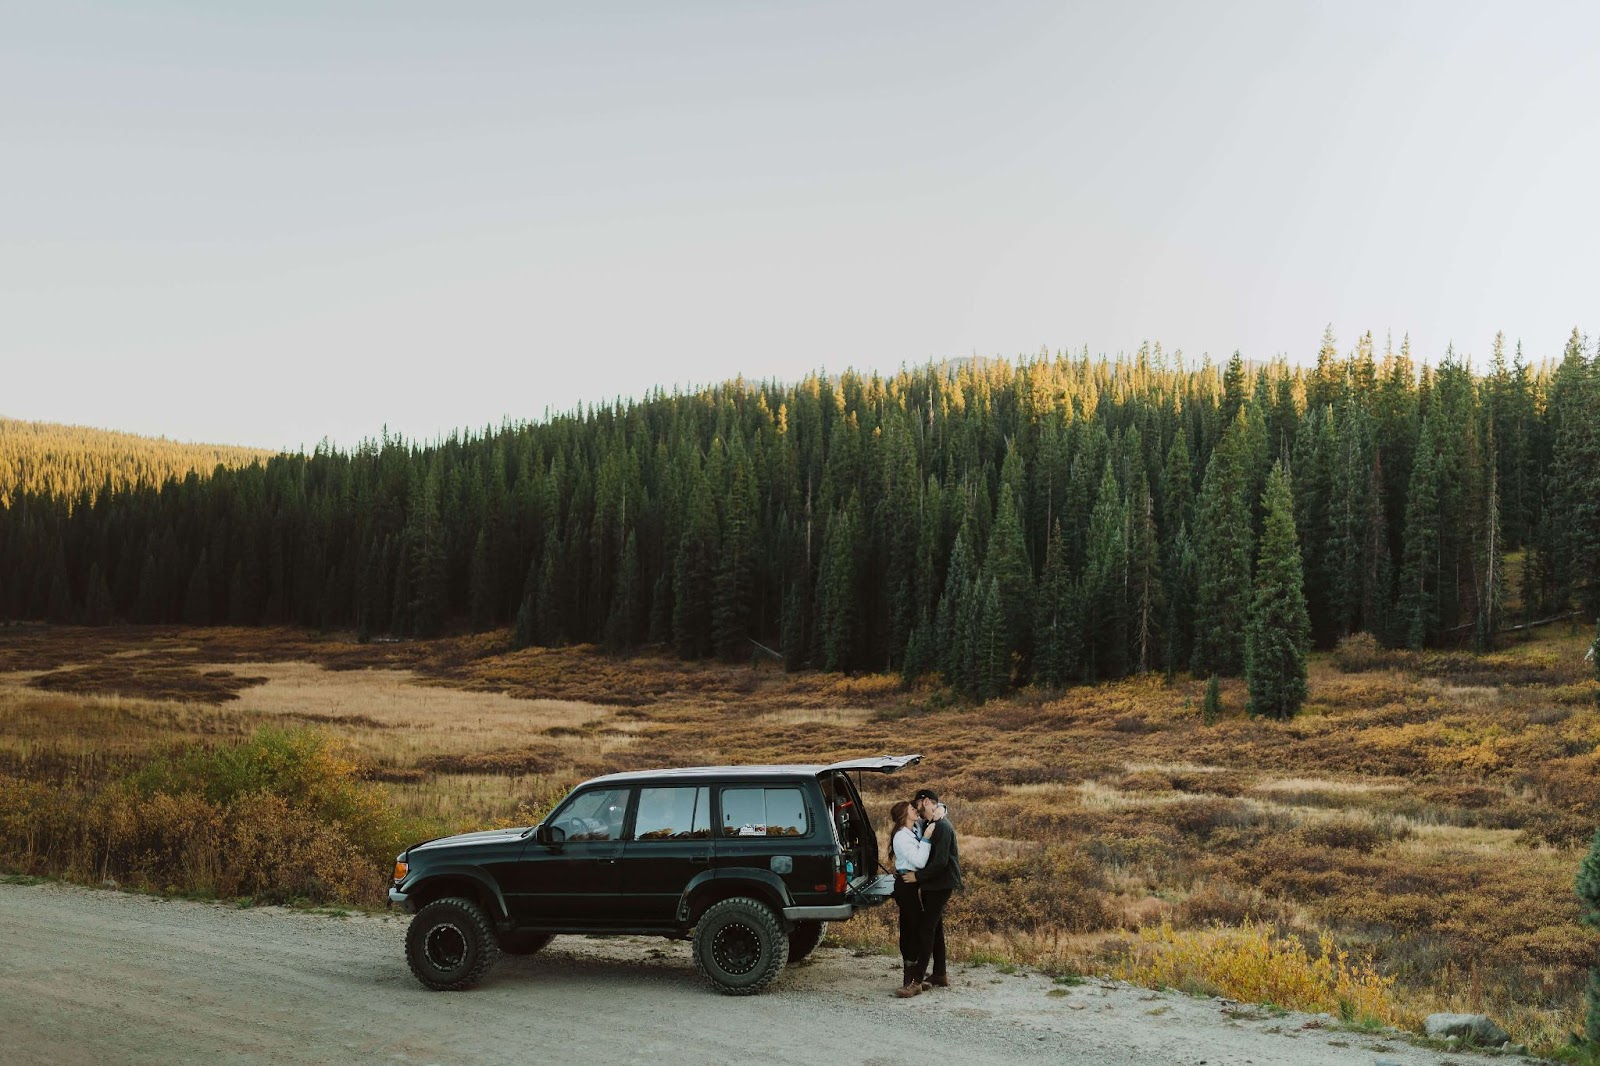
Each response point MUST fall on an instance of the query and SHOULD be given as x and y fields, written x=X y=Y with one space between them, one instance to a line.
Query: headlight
x=400 y=869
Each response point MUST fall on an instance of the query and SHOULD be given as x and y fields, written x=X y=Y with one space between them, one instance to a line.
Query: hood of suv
x=468 y=840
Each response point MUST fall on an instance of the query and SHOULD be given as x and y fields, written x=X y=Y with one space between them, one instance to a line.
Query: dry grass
x=1427 y=810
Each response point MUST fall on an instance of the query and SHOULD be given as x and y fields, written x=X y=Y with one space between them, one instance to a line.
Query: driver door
x=577 y=881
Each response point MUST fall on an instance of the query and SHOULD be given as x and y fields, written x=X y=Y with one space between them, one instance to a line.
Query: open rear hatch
x=866 y=886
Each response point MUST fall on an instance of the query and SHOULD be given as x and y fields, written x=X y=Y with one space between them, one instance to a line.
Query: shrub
x=1255 y=964
x=283 y=815
x=1360 y=652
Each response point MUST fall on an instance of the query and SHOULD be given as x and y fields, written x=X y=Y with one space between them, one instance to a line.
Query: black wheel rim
x=736 y=949
x=445 y=946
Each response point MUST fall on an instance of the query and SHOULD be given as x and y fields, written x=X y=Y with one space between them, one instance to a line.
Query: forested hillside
x=1059 y=520
x=47 y=459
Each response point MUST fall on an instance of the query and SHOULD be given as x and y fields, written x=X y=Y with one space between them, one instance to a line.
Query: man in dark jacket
x=938 y=881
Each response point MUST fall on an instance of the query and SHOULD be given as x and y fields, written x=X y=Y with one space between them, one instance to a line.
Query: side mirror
x=550 y=835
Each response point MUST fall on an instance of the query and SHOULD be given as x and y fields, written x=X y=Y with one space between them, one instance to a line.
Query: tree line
x=1057 y=520
x=48 y=459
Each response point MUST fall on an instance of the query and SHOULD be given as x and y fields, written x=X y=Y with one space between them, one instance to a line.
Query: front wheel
x=739 y=947
x=450 y=944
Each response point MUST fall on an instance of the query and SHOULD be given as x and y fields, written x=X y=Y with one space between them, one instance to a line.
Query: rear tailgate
x=866 y=886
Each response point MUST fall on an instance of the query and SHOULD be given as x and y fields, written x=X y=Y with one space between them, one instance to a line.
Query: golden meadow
x=1407 y=844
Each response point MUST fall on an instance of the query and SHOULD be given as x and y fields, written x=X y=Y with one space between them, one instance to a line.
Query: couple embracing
x=927 y=871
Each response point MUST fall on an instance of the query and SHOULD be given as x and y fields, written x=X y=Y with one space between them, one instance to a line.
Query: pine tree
x=97 y=605
x=1588 y=889
x=735 y=580
x=1211 y=710
x=1105 y=584
x=1057 y=639
x=1376 y=568
x=992 y=661
x=1147 y=595
x=1007 y=564
x=951 y=631
x=1492 y=589
x=197 y=597
x=622 y=618
x=694 y=573
x=1574 y=497
x=1280 y=627
x=1222 y=555
x=838 y=615
x=482 y=593
x=1417 y=616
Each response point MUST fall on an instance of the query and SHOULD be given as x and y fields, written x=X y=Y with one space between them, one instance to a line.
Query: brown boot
x=938 y=980
x=906 y=991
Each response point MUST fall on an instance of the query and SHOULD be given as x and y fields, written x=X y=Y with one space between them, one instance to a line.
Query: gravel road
x=92 y=976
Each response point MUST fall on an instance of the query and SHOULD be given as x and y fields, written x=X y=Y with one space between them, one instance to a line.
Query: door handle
x=699 y=858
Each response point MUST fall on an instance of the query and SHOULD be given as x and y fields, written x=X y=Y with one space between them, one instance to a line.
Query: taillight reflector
x=839 y=882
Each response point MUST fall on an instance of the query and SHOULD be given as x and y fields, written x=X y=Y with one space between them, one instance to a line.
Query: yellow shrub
x=1255 y=964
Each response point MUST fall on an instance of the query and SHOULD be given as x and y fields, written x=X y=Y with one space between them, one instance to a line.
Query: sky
x=271 y=224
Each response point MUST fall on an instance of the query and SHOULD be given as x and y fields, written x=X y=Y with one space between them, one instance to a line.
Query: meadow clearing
x=1425 y=810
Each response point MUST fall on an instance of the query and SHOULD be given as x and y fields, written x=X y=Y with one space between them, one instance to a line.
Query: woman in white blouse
x=910 y=854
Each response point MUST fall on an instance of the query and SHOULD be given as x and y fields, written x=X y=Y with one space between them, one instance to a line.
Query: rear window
x=764 y=812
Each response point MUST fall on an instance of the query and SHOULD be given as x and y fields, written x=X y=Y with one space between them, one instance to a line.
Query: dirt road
x=104 y=977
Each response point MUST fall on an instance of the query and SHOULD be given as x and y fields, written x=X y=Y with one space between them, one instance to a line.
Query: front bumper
x=397 y=896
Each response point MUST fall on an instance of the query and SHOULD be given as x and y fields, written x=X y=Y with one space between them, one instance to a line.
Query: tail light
x=839 y=883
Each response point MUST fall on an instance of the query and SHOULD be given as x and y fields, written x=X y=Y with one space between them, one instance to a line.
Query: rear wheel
x=805 y=938
x=450 y=944
x=523 y=942
x=739 y=947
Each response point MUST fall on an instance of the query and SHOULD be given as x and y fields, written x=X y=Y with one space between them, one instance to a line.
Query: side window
x=763 y=812
x=673 y=814
x=594 y=815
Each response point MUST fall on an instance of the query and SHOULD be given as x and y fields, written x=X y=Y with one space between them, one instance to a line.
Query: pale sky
x=268 y=223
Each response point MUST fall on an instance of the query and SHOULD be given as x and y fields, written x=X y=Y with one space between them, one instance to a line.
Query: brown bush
x=1046 y=888
x=1361 y=652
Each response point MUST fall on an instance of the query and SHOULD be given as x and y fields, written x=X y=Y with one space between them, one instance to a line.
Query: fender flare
x=470 y=873
x=769 y=887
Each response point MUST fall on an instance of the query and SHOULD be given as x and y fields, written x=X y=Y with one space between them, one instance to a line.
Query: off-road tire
x=739 y=947
x=523 y=942
x=805 y=938
x=450 y=944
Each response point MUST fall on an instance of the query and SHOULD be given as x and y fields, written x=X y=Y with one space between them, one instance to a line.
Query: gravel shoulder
x=91 y=976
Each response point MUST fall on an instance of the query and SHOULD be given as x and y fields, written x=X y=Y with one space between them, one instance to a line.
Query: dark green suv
x=750 y=862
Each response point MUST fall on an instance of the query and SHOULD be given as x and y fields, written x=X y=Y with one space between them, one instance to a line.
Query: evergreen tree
x=1211 y=711
x=1491 y=592
x=1147 y=595
x=1105 y=585
x=952 y=626
x=482 y=590
x=197 y=597
x=1222 y=558
x=1057 y=639
x=97 y=606
x=838 y=615
x=1574 y=497
x=622 y=618
x=1007 y=564
x=992 y=660
x=736 y=564
x=1588 y=888
x=695 y=569
x=1417 y=616
x=1280 y=627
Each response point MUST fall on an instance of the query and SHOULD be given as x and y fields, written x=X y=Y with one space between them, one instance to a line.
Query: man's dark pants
x=930 y=932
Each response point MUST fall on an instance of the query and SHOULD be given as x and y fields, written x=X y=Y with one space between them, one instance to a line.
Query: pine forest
x=1057 y=520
